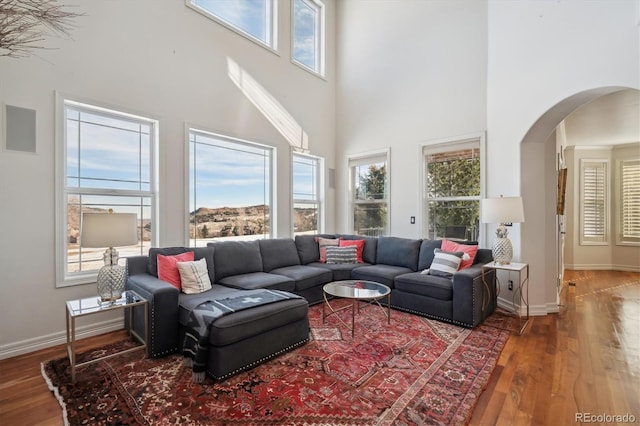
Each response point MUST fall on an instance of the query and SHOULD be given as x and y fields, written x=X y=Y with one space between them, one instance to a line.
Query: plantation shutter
x=593 y=212
x=631 y=201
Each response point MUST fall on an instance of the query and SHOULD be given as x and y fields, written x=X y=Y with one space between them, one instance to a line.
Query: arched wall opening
x=538 y=168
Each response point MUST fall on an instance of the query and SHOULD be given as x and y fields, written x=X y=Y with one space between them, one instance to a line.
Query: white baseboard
x=534 y=310
x=36 y=343
x=608 y=267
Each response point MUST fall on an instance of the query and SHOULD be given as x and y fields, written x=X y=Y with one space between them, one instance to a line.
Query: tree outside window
x=452 y=182
x=370 y=196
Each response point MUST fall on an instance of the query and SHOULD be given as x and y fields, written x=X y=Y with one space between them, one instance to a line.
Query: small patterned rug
x=414 y=371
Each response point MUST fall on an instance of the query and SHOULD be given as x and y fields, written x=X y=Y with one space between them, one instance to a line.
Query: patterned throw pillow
x=323 y=243
x=445 y=264
x=168 y=267
x=194 y=276
x=359 y=244
x=342 y=254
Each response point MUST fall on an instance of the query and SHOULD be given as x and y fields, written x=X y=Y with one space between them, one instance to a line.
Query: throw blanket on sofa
x=196 y=340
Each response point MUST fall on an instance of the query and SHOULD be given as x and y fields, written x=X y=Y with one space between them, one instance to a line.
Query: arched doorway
x=539 y=159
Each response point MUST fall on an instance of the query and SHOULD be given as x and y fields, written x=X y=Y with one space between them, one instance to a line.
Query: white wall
x=546 y=59
x=166 y=61
x=409 y=72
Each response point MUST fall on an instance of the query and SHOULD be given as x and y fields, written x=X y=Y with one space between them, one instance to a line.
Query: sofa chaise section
x=241 y=340
x=238 y=340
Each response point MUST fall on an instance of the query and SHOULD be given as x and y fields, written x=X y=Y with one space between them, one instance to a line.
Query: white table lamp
x=109 y=230
x=502 y=210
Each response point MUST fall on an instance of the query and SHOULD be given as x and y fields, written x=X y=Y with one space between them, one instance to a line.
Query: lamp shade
x=109 y=229
x=502 y=210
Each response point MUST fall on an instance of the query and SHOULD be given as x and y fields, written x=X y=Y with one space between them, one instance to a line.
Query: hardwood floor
x=586 y=359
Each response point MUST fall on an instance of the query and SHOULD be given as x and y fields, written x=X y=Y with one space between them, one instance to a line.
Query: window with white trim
x=230 y=188
x=254 y=19
x=370 y=194
x=308 y=34
x=452 y=188
x=306 y=190
x=594 y=221
x=105 y=160
x=630 y=200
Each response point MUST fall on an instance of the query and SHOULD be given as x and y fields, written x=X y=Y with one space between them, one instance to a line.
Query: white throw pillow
x=445 y=264
x=194 y=276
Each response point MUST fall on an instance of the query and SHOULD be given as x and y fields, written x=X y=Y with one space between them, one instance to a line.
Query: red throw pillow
x=468 y=249
x=168 y=267
x=359 y=247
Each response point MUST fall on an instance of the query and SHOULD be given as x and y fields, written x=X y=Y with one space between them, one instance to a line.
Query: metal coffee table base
x=355 y=305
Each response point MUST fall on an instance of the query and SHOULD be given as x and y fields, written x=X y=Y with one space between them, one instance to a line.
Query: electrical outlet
x=510 y=286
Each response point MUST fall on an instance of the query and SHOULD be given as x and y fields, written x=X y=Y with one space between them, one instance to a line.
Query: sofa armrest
x=163 y=313
x=473 y=295
x=137 y=265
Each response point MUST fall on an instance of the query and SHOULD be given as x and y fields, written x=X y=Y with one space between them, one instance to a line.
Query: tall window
x=593 y=202
x=105 y=160
x=452 y=190
x=254 y=19
x=630 y=191
x=229 y=188
x=308 y=34
x=306 y=194
x=370 y=194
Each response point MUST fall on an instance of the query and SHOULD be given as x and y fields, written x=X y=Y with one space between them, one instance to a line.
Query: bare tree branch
x=24 y=24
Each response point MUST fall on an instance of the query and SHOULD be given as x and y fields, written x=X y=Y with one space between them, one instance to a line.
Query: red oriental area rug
x=414 y=371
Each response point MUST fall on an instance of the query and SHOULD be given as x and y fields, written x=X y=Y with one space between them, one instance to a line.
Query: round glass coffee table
x=357 y=291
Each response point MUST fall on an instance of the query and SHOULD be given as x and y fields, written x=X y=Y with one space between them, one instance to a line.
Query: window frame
x=320 y=39
x=189 y=128
x=62 y=191
x=363 y=159
x=621 y=239
x=319 y=185
x=445 y=145
x=271 y=31
x=600 y=163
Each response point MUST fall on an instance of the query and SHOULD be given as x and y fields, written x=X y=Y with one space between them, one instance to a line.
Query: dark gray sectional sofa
x=245 y=338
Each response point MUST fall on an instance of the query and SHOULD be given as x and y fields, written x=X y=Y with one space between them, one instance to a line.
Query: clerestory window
x=254 y=19
x=308 y=30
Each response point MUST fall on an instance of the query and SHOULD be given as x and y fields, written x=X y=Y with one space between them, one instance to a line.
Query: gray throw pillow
x=345 y=254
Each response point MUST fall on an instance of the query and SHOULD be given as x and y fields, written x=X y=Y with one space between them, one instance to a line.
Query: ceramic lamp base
x=502 y=251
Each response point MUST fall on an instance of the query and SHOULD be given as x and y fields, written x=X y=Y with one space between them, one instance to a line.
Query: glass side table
x=520 y=293
x=92 y=305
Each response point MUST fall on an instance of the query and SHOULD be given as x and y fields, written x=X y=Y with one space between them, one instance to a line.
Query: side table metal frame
x=517 y=293
x=71 y=328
